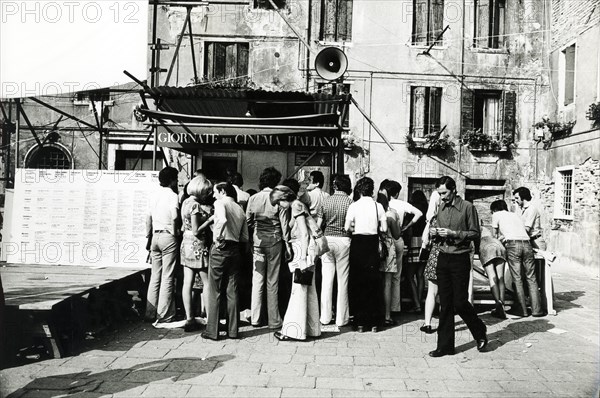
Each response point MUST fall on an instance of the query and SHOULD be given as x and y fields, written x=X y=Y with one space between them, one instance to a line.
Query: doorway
x=215 y=168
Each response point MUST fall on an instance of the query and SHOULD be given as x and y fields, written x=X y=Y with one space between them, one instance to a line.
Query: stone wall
x=576 y=241
x=570 y=18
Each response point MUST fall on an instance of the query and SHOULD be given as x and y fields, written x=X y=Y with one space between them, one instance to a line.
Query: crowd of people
x=286 y=253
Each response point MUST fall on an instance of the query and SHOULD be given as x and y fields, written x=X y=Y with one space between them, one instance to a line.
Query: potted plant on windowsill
x=552 y=131
x=593 y=113
x=478 y=141
x=436 y=142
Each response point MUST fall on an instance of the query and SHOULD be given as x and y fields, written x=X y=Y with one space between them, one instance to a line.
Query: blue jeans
x=520 y=257
x=160 y=302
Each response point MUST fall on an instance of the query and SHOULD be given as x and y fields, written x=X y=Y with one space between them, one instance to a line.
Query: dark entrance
x=215 y=168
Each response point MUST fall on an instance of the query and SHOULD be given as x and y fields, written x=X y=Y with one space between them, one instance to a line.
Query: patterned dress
x=194 y=250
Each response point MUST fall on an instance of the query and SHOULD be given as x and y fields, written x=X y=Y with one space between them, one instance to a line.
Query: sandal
x=282 y=337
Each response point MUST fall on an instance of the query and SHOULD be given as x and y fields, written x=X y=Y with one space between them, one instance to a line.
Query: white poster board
x=79 y=217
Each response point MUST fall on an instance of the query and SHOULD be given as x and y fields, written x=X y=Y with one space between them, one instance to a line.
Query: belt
x=158 y=231
x=517 y=240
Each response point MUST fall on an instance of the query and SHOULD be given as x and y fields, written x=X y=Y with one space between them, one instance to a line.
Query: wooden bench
x=43 y=300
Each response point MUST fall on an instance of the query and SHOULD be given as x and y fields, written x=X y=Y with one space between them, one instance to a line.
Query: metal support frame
x=389 y=144
x=179 y=40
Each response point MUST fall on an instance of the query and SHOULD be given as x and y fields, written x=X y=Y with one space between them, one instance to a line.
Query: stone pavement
x=555 y=356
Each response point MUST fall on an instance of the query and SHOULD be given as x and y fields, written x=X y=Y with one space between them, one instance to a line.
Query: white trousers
x=335 y=261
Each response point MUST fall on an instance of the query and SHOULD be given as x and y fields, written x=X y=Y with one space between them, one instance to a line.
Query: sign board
x=79 y=217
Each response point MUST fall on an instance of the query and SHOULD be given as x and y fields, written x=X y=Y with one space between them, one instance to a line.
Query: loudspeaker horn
x=331 y=63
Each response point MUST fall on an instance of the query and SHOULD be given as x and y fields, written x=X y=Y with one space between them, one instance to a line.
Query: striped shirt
x=333 y=213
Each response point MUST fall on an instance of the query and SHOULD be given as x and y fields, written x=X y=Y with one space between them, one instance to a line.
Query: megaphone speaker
x=331 y=63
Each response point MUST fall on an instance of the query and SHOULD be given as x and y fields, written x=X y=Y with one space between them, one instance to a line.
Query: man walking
x=230 y=231
x=458 y=226
x=332 y=214
x=509 y=228
x=271 y=228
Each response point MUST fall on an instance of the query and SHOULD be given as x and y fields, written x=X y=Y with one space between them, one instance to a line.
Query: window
x=492 y=111
x=125 y=160
x=336 y=89
x=336 y=20
x=567 y=75
x=563 y=199
x=428 y=21
x=50 y=156
x=489 y=23
x=266 y=4
x=226 y=61
x=425 y=109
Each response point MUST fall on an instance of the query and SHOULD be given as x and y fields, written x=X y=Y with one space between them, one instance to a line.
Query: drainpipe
x=462 y=84
x=308 y=35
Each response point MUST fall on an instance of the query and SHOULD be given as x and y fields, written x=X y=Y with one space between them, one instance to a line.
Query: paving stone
x=425 y=385
x=283 y=369
x=380 y=384
x=484 y=374
x=305 y=392
x=191 y=365
x=363 y=344
x=354 y=352
x=373 y=361
x=450 y=374
x=113 y=387
x=342 y=383
x=151 y=376
x=411 y=362
x=147 y=352
x=320 y=350
x=275 y=358
x=257 y=392
x=292 y=382
x=463 y=386
x=573 y=389
x=464 y=394
x=523 y=386
x=108 y=375
x=525 y=374
x=242 y=368
x=333 y=360
x=138 y=363
x=301 y=358
x=379 y=372
x=208 y=379
x=88 y=362
x=327 y=370
x=166 y=390
x=342 y=393
x=211 y=391
x=407 y=394
x=245 y=380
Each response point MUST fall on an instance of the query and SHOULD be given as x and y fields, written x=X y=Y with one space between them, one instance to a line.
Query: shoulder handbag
x=303 y=277
x=383 y=249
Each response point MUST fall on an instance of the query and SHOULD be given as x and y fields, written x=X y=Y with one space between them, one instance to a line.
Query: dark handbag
x=383 y=249
x=303 y=277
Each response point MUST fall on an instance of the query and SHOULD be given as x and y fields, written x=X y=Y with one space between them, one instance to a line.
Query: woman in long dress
x=301 y=318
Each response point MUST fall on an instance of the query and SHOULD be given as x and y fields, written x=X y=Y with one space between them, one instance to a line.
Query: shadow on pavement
x=523 y=330
x=564 y=300
x=118 y=380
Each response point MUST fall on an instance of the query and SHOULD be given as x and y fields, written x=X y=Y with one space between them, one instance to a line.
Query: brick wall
x=578 y=240
x=570 y=18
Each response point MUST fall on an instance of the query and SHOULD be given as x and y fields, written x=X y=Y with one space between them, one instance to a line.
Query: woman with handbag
x=301 y=318
x=365 y=219
x=388 y=265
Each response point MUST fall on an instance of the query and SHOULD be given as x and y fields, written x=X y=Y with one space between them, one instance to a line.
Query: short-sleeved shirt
x=402 y=208
x=365 y=213
x=269 y=222
x=316 y=198
x=164 y=207
x=333 y=213
x=532 y=220
x=510 y=225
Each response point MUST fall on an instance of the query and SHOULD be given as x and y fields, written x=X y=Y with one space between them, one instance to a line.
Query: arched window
x=49 y=156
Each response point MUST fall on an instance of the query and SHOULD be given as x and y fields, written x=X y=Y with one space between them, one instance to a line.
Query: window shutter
x=509 y=114
x=329 y=20
x=219 y=61
x=344 y=20
x=418 y=111
x=242 y=60
x=209 y=61
x=482 y=23
x=436 y=21
x=420 y=16
x=467 y=110
x=435 y=106
x=569 y=74
x=230 y=61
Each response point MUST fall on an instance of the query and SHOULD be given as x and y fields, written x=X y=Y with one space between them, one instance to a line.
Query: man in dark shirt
x=458 y=226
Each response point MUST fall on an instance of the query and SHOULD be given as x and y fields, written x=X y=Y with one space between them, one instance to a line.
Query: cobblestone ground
x=555 y=356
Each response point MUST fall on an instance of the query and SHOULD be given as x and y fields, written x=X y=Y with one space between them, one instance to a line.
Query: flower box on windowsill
x=488 y=150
